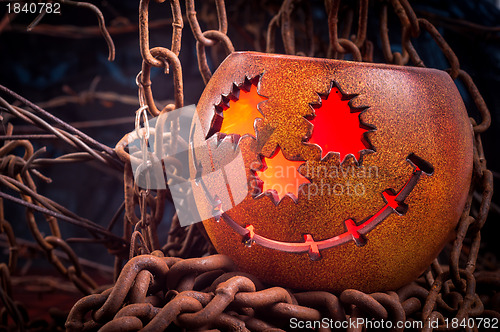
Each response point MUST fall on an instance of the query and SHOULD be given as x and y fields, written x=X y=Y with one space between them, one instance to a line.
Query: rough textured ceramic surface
x=410 y=158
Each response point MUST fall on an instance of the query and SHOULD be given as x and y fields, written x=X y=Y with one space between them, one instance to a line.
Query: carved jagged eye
x=337 y=127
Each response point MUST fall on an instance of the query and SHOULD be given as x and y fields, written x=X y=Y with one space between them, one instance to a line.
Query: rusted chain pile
x=160 y=287
x=154 y=292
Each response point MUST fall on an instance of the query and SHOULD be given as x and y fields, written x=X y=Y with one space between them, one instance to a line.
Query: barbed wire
x=159 y=286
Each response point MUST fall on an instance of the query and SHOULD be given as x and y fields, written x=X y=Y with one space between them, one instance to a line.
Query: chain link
x=208 y=38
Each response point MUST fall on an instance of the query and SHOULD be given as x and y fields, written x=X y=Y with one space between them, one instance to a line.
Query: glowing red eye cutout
x=337 y=127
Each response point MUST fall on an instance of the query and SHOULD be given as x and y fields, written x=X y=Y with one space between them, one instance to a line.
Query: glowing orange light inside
x=336 y=128
x=241 y=114
x=281 y=175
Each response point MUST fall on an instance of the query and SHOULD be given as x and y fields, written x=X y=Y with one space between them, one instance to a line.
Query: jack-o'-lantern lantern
x=357 y=173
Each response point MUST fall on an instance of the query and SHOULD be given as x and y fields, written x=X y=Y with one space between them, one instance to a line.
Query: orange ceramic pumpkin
x=358 y=173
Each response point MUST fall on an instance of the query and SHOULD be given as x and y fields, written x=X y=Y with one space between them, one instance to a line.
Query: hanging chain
x=144 y=238
x=208 y=38
x=160 y=56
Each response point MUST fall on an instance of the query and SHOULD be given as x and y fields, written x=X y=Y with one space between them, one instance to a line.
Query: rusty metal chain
x=160 y=56
x=17 y=174
x=285 y=20
x=19 y=164
x=143 y=237
x=155 y=292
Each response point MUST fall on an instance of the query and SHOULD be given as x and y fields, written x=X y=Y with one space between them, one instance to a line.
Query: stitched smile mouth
x=394 y=203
